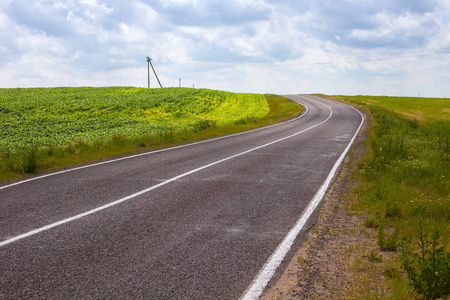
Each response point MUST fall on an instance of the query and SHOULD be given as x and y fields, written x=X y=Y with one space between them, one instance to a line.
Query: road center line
x=76 y=217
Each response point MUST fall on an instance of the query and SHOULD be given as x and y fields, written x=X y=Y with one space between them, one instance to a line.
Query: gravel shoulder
x=320 y=267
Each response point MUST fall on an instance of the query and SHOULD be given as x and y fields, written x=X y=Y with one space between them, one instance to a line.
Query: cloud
x=211 y=13
x=51 y=20
x=245 y=45
x=403 y=31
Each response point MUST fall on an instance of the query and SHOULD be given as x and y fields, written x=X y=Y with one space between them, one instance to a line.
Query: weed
x=204 y=125
x=391 y=272
x=30 y=159
x=246 y=120
x=25 y=160
x=429 y=269
x=118 y=138
x=381 y=236
x=373 y=256
x=389 y=243
x=442 y=142
x=301 y=260
x=324 y=281
x=392 y=209
x=335 y=209
x=371 y=222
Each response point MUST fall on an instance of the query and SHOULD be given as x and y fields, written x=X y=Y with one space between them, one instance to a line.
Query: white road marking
x=151 y=152
x=53 y=225
x=265 y=274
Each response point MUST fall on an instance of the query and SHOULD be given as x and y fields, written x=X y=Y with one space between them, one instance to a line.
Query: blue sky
x=377 y=47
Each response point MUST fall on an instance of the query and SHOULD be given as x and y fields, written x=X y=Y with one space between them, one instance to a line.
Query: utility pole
x=148 y=70
x=150 y=61
x=179 y=79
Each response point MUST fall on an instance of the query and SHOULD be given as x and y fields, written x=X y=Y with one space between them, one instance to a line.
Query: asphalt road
x=193 y=222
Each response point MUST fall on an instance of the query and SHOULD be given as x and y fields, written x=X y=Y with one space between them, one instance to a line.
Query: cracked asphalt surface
x=204 y=235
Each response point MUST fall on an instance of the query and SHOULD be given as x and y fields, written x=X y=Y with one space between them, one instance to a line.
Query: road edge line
x=261 y=280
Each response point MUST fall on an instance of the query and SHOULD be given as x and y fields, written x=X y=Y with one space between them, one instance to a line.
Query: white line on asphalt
x=44 y=228
x=265 y=274
x=151 y=152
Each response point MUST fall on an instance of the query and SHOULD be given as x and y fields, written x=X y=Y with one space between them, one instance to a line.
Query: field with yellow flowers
x=49 y=128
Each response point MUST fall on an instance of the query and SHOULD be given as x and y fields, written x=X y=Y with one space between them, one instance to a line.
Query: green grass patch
x=404 y=189
x=46 y=129
x=424 y=110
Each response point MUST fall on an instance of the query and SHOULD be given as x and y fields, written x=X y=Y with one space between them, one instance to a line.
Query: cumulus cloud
x=241 y=45
x=211 y=13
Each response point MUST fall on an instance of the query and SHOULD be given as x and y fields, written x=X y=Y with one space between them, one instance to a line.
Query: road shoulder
x=319 y=267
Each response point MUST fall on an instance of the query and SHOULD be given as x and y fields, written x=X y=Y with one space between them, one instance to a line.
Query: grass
x=404 y=189
x=424 y=110
x=34 y=159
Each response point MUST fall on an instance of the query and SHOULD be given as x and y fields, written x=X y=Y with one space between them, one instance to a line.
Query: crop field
x=60 y=116
x=404 y=192
x=46 y=129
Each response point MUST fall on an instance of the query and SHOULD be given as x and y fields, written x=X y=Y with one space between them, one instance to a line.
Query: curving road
x=193 y=222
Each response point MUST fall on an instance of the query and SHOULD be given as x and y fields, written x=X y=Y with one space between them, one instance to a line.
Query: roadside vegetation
x=403 y=194
x=44 y=129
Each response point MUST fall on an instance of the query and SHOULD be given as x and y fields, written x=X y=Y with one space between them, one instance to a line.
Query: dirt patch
x=324 y=265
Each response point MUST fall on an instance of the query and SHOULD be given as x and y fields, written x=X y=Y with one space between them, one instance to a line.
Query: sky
x=345 y=47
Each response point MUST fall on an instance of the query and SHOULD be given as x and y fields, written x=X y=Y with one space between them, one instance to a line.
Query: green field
x=424 y=110
x=404 y=192
x=44 y=129
x=59 y=116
